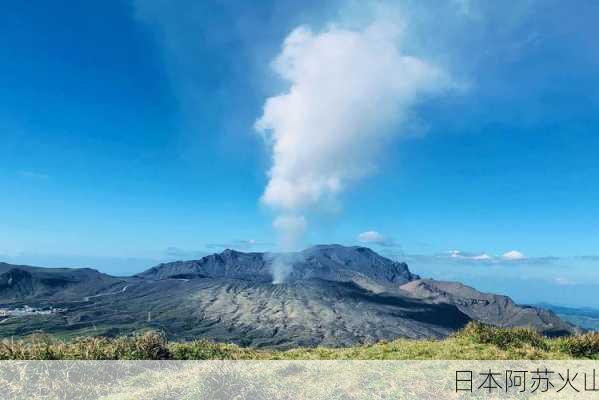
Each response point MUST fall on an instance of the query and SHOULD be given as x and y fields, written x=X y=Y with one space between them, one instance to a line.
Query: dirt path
x=106 y=294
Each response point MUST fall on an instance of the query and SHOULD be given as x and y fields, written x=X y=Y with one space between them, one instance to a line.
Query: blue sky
x=127 y=137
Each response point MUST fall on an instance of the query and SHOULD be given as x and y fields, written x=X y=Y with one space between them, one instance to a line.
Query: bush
x=502 y=337
x=206 y=350
x=148 y=346
x=36 y=347
x=476 y=340
x=586 y=345
x=92 y=348
x=196 y=350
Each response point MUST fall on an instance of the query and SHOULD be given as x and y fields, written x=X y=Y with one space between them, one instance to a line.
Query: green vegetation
x=475 y=342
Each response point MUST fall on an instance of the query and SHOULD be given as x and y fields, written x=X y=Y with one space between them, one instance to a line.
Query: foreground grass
x=475 y=342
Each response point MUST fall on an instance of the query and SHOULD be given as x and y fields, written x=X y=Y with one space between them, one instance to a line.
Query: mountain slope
x=328 y=262
x=332 y=295
x=21 y=282
x=585 y=317
x=488 y=308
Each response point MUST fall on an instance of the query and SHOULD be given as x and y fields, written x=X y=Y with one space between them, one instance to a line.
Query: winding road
x=107 y=294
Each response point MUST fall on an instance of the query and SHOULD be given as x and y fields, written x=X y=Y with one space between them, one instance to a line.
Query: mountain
x=584 y=317
x=328 y=262
x=486 y=307
x=329 y=295
x=20 y=282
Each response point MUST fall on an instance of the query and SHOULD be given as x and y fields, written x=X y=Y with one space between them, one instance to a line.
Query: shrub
x=148 y=346
x=502 y=337
x=476 y=340
x=92 y=348
x=206 y=350
x=586 y=345
x=36 y=347
x=196 y=350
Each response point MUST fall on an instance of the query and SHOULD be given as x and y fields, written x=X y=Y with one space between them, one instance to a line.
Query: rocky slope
x=20 y=283
x=486 y=307
x=329 y=262
x=332 y=295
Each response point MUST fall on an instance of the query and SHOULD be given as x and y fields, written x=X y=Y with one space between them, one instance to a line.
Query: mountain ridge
x=329 y=262
x=332 y=295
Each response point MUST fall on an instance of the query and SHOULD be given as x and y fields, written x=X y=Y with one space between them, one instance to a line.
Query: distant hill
x=21 y=282
x=585 y=317
x=329 y=295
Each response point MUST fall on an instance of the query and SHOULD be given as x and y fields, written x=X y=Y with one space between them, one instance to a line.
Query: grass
x=475 y=342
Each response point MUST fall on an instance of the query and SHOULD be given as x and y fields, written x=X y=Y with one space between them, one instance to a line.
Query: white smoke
x=281 y=268
x=290 y=229
x=350 y=91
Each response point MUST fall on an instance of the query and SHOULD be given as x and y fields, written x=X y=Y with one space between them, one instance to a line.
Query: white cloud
x=513 y=255
x=509 y=256
x=372 y=237
x=469 y=256
x=350 y=91
x=238 y=244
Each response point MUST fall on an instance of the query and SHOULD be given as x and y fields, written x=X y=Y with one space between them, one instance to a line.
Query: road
x=106 y=294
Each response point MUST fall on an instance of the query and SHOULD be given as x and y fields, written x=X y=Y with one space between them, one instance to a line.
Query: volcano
x=333 y=295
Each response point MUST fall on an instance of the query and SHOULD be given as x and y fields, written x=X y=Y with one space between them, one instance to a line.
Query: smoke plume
x=349 y=92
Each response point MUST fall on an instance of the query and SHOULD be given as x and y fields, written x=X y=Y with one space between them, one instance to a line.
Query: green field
x=475 y=342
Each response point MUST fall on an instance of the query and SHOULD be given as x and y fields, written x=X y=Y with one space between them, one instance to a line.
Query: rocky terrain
x=20 y=282
x=488 y=308
x=331 y=295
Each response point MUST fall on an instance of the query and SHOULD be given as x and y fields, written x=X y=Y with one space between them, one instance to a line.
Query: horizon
x=469 y=150
x=482 y=274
